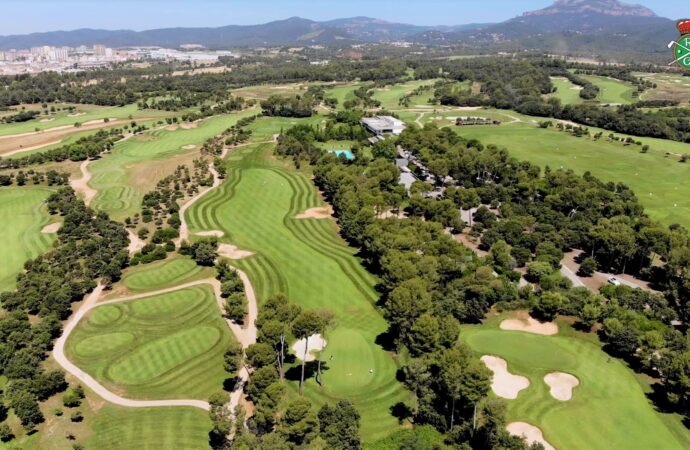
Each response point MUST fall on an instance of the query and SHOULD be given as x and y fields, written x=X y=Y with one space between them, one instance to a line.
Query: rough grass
x=160 y=274
x=135 y=166
x=609 y=403
x=670 y=86
x=160 y=347
x=24 y=215
x=658 y=180
x=306 y=260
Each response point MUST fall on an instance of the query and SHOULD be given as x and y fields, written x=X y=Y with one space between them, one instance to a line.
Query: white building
x=380 y=125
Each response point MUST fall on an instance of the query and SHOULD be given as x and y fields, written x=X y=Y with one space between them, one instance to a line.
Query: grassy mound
x=609 y=402
x=23 y=216
x=159 y=347
x=306 y=260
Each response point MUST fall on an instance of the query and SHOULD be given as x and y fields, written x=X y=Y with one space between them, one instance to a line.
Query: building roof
x=383 y=123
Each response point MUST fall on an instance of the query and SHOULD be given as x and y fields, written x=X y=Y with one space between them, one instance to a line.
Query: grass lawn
x=306 y=260
x=161 y=274
x=167 y=346
x=119 y=428
x=612 y=90
x=24 y=215
x=659 y=181
x=136 y=165
x=567 y=92
x=343 y=92
x=390 y=95
x=609 y=403
x=83 y=113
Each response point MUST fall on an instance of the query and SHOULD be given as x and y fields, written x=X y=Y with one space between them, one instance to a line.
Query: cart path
x=246 y=336
x=81 y=185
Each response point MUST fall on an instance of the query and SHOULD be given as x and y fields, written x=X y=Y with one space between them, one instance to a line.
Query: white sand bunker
x=321 y=212
x=215 y=233
x=232 y=252
x=530 y=325
x=530 y=433
x=562 y=385
x=76 y=114
x=189 y=147
x=47 y=120
x=51 y=228
x=315 y=344
x=503 y=383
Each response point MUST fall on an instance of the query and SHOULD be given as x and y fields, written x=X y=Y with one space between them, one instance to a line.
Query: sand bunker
x=503 y=383
x=232 y=252
x=562 y=385
x=530 y=433
x=321 y=212
x=213 y=233
x=316 y=344
x=189 y=147
x=188 y=125
x=51 y=228
x=76 y=114
x=47 y=120
x=530 y=325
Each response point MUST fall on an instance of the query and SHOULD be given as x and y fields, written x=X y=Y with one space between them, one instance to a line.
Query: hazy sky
x=26 y=16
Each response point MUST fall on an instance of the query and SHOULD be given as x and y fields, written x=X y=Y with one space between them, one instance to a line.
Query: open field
x=612 y=90
x=567 y=92
x=657 y=179
x=24 y=215
x=670 y=86
x=390 y=95
x=166 y=346
x=306 y=260
x=609 y=402
x=161 y=274
x=135 y=166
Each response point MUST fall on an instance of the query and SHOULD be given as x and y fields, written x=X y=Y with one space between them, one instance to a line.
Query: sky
x=27 y=16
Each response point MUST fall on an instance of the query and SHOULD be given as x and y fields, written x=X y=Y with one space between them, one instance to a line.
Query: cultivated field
x=166 y=346
x=24 y=216
x=135 y=166
x=608 y=402
x=306 y=260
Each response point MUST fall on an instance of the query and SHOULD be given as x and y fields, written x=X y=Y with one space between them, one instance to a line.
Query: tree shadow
x=401 y=411
x=294 y=373
x=230 y=384
x=387 y=340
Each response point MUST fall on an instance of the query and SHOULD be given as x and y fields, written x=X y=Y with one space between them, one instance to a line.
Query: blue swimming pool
x=346 y=153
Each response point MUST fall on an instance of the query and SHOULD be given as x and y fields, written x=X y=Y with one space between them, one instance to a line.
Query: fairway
x=659 y=181
x=135 y=165
x=567 y=92
x=307 y=261
x=116 y=428
x=391 y=95
x=24 y=215
x=609 y=402
x=161 y=274
x=166 y=346
x=611 y=90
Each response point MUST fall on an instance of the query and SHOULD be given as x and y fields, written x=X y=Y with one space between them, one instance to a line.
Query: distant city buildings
x=67 y=59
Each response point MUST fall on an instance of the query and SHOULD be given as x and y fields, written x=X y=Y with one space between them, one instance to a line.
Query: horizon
x=95 y=14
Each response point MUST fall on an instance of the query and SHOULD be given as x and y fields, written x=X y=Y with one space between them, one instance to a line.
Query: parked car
x=614 y=281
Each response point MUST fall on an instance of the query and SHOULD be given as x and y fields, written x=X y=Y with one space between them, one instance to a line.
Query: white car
x=614 y=281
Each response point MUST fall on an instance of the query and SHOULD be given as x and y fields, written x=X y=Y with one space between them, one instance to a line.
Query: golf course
x=307 y=261
x=24 y=216
x=609 y=401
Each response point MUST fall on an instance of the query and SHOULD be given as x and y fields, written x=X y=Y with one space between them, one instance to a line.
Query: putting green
x=159 y=347
x=160 y=274
x=609 y=402
x=306 y=260
x=136 y=165
x=24 y=215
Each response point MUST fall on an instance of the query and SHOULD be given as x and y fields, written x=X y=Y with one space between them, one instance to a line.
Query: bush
x=588 y=267
x=5 y=433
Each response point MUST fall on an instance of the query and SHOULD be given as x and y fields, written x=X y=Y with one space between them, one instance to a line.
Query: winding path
x=82 y=184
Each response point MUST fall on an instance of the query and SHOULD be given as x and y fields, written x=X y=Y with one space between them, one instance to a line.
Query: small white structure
x=380 y=125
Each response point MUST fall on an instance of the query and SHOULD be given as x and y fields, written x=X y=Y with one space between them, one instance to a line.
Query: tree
x=260 y=355
x=26 y=408
x=305 y=325
x=339 y=426
x=204 y=252
x=548 y=305
x=6 y=434
x=588 y=267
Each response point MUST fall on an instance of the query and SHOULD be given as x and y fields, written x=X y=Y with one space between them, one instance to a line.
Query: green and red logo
x=681 y=47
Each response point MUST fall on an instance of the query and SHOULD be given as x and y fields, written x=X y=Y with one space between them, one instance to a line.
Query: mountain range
x=565 y=26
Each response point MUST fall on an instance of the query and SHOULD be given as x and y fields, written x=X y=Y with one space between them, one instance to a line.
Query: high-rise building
x=99 y=50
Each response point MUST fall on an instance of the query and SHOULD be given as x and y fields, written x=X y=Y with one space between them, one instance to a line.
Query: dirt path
x=82 y=184
x=569 y=268
x=418 y=120
x=246 y=336
x=135 y=244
